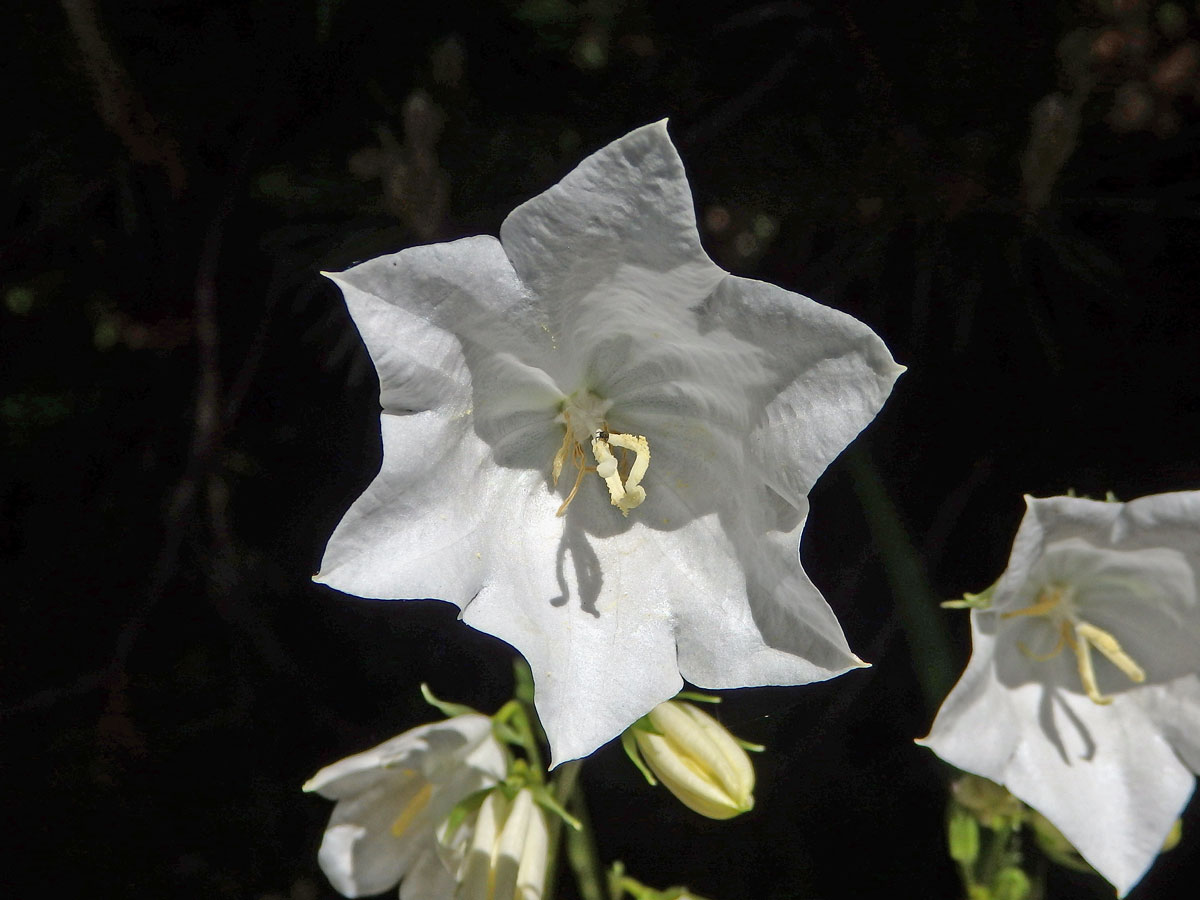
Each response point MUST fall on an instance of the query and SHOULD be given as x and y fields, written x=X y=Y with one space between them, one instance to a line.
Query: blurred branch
x=117 y=100
x=924 y=627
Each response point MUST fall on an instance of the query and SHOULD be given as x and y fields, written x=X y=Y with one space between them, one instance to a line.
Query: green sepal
x=629 y=744
x=449 y=710
x=982 y=600
x=464 y=808
x=546 y=801
x=695 y=697
x=643 y=724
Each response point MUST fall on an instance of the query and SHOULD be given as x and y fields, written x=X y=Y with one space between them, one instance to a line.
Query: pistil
x=587 y=423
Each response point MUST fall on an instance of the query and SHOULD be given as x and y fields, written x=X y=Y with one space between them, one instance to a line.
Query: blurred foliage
x=1008 y=193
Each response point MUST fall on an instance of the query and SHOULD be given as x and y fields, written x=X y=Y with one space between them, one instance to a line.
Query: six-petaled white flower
x=1082 y=695
x=391 y=800
x=598 y=444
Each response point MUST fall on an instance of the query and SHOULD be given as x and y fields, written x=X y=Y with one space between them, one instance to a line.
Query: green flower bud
x=962 y=832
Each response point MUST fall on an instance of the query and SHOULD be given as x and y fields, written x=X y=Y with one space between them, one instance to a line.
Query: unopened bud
x=503 y=850
x=698 y=760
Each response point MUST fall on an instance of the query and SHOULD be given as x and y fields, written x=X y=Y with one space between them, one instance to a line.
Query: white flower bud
x=500 y=853
x=698 y=760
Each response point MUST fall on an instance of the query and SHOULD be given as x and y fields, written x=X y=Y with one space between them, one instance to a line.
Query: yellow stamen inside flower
x=626 y=492
x=412 y=809
x=1056 y=603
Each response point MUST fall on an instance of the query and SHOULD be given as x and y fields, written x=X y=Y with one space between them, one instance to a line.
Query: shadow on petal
x=1085 y=747
x=588 y=575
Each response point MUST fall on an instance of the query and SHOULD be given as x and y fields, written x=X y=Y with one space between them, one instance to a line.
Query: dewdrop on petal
x=696 y=759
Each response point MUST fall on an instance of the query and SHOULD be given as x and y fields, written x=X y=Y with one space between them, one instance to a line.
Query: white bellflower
x=391 y=800
x=598 y=445
x=1082 y=696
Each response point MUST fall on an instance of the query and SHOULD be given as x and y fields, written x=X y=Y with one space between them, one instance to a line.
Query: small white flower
x=1082 y=696
x=392 y=798
x=599 y=445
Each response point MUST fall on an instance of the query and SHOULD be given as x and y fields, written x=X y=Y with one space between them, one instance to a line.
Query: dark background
x=1008 y=193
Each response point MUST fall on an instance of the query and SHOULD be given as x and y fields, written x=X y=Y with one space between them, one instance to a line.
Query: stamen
x=1064 y=632
x=1046 y=601
x=560 y=457
x=1108 y=645
x=1087 y=674
x=412 y=809
x=562 y=510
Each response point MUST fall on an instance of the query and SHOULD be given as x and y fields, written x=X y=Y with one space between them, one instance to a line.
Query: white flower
x=686 y=413
x=391 y=800
x=500 y=852
x=1082 y=696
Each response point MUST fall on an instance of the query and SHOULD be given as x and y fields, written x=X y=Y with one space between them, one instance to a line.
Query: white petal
x=486 y=825
x=829 y=374
x=510 y=847
x=620 y=229
x=1104 y=776
x=359 y=854
x=746 y=613
x=419 y=528
x=428 y=879
x=590 y=613
x=978 y=726
x=409 y=751
x=535 y=854
x=463 y=411
x=1175 y=708
x=414 y=306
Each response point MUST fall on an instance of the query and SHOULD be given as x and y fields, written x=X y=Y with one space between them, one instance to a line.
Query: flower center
x=1057 y=604
x=582 y=418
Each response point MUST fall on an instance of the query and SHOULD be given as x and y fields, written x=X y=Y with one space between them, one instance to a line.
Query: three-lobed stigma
x=625 y=492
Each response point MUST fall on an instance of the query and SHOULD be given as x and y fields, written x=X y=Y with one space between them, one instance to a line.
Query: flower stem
x=580 y=844
x=924 y=627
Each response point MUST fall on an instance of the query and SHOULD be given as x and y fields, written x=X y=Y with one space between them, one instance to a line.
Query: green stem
x=916 y=603
x=580 y=844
